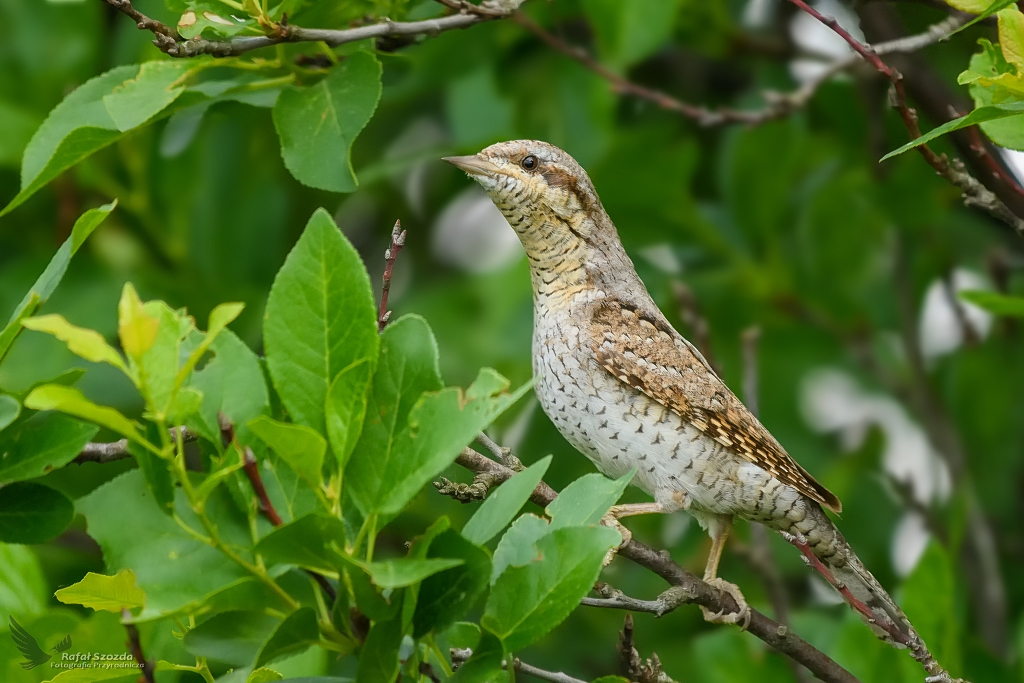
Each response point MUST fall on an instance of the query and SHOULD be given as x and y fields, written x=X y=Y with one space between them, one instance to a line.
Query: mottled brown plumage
x=644 y=355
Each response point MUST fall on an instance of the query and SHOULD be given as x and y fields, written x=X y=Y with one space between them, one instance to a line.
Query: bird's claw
x=610 y=520
x=741 y=617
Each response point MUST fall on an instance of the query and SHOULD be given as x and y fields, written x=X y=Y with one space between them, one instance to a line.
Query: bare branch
x=118 y=450
x=777 y=105
x=170 y=42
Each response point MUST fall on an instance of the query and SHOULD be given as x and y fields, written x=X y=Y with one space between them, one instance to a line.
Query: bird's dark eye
x=529 y=162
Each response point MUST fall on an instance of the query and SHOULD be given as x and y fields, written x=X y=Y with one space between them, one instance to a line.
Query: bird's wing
x=64 y=644
x=26 y=644
x=651 y=357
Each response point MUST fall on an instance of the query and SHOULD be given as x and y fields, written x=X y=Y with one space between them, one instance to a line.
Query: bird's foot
x=742 y=617
x=612 y=521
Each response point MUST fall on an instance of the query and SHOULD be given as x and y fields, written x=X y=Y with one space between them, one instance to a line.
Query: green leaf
x=46 y=283
x=346 y=409
x=404 y=571
x=447 y=596
x=9 y=411
x=139 y=99
x=611 y=679
x=378 y=660
x=33 y=447
x=171 y=566
x=219 y=319
x=994 y=7
x=234 y=638
x=156 y=359
x=232 y=383
x=101 y=592
x=320 y=319
x=156 y=471
x=929 y=599
x=370 y=602
x=71 y=401
x=264 y=675
x=993 y=302
x=14 y=328
x=299 y=446
x=979 y=115
x=585 y=501
x=317 y=124
x=33 y=513
x=504 y=503
x=194 y=21
x=527 y=602
x=84 y=122
x=298 y=631
x=84 y=343
x=993 y=80
x=23 y=590
x=408 y=366
x=440 y=425
x=305 y=542
x=485 y=662
x=1011 y=36
x=518 y=547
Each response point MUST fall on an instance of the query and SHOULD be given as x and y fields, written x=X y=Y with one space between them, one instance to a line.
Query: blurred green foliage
x=792 y=226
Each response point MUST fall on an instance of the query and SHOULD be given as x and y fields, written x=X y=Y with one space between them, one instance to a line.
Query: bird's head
x=544 y=194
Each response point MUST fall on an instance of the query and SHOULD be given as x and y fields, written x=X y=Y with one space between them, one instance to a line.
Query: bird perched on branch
x=629 y=391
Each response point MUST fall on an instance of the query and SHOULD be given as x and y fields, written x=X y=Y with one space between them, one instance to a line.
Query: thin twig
x=613 y=598
x=170 y=42
x=690 y=588
x=974 y=193
x=118 y=450
x=146 y=667
x=460 y=655
x=397 y=242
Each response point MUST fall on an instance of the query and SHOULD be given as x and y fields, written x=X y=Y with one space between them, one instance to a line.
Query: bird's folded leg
x=611 y=519
x=720 y=526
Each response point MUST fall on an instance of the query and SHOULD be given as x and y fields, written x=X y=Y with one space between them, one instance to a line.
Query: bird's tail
x=825 y=549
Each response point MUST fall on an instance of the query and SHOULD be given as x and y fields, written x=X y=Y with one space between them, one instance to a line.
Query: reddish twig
x=397 y=242
x=135 y=646
x=252 y=471
x=974 y=193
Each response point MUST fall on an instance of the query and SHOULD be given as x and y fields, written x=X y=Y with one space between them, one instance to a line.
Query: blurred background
x=905 y=401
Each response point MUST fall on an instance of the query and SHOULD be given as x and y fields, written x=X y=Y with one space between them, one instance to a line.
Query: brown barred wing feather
x=648 y=355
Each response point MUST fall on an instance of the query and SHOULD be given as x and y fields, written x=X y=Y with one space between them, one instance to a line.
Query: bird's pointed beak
x=473 y=165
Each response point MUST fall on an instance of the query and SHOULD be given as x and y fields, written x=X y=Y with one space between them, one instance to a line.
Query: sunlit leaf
x=101 y=592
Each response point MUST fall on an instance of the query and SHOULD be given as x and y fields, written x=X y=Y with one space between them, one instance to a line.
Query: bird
x=29 y=647
x=631 y=393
